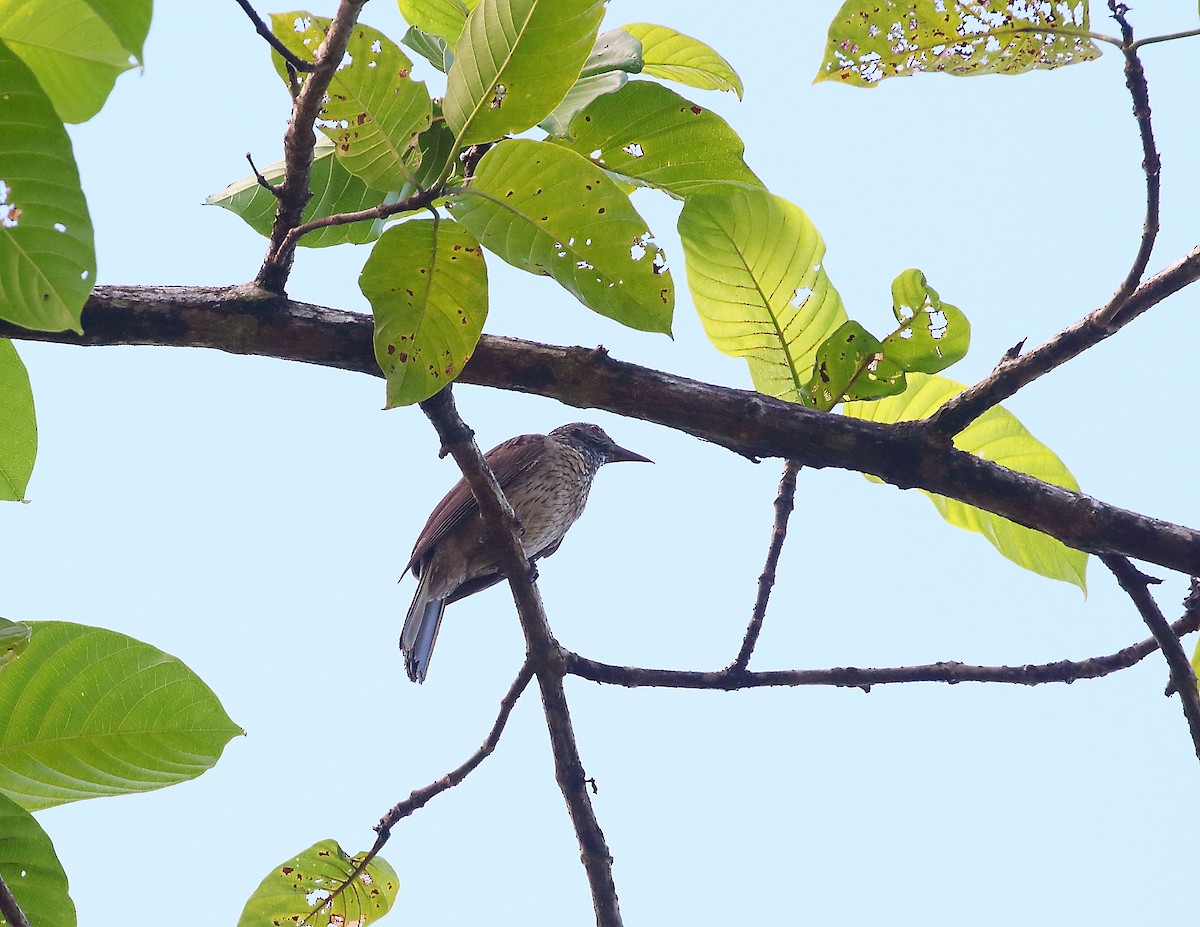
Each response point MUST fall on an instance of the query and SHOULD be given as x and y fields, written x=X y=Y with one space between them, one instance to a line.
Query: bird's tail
x=421 y=630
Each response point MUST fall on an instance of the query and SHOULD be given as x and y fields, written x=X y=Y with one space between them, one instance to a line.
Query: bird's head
x=595 y=442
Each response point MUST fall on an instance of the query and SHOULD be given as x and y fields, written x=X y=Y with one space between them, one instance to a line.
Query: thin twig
x=1136 y=586
x=298 y=142
x=9 y=908
x=1011 y=374
x=784 y=501
x=1062 y=671
x=273 y=188
x=265 y=31
x=422 y=796
x=1139 y=92
x=1151 y=40
x=412 y=203
x=545 y=654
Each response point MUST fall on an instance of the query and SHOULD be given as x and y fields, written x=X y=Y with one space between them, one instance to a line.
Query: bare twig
x=245 y=320
x=1011 y=374
x=784 y=501
x=1032 y=674
x=272 y=188
x=9 y=908
x=1136 y=586
x=422 y=796
x=264 y=30
x=410 y=204
x=298 y=141
x=545 y=654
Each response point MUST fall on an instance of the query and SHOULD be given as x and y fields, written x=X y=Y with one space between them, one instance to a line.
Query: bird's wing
x=508 y=461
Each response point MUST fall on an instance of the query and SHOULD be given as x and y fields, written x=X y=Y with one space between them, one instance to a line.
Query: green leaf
x=996 y=436
x=870 y=40
x=652 y=135
x=850 y=364
x=18 y=425
x=298 y=891
x=14 y=638
x=613 y=50
x=129 y=21
x=443 y=18
x=374 y=110
x=932 y=334
x=678 y=57
x=335 y=190
x=582 y=92
x=427 y=285
x=433 y=48
x=754 y=269
x=31 y=869
x=87 y=712
x=47 y=256
x=515 y=62
x=75 y=53
x=552 y=212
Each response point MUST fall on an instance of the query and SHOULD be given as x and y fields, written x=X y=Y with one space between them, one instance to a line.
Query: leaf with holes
x=18 y=425
x=301 y=890
x=754 y=269
x=678 y=57
x=932 y=334
x=870 y=40
x=427 y=285
x=76 y=50
x=552 y=212
x=373 y=111
x=31 y=869
x=514 y=63
x=850 y=364
x=87 y=712
x=649 y=134
x=47 y=254
x=442 y=18
x=997 y=436
x=335 y=190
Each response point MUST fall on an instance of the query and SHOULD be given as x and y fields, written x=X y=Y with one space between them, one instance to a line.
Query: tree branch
x=1012 y=373
x=246 y=320
x=1032 y=674
x=298 y=141
x=1137 y=586
x=545 y=654
x=262 y=29
x=784 y=501
x=9 y=908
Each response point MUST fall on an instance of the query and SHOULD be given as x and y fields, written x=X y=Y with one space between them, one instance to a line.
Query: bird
x=546 y=478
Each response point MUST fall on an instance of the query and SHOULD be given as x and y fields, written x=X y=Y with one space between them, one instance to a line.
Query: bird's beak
x=620 y=454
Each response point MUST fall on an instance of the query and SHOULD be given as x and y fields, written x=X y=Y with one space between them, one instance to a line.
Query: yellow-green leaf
x=997 y=436
x=754 y=269
x=671 y=54
x=870 y=40
x=18 y=425
x=427 y=285
x=514 y=63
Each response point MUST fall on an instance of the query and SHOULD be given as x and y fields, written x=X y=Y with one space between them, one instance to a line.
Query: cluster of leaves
x=555 y=203
x=558 y=205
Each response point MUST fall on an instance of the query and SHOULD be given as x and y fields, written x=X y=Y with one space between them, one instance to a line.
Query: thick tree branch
x=1137 y=586
x=246 y=320
x=1032 y=674
x=784 y=501
x=298 y=141
x=545 y=654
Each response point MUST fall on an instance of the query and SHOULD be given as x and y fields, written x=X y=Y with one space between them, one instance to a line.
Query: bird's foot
x=533 y=572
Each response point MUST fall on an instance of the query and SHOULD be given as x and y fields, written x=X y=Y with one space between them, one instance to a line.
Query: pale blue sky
x=251 y=517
